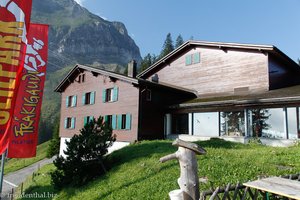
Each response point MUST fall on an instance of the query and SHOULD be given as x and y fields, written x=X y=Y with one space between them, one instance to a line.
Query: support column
x=250 y=125
x=298 y=125
x=191 y=123
x=168 y=124
x=246 y=119
x=285 y=123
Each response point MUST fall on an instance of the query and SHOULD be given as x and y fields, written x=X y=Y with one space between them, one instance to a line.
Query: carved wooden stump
x=186 y=155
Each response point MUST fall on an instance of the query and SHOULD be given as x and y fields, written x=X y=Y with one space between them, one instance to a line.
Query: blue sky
x=275 y=22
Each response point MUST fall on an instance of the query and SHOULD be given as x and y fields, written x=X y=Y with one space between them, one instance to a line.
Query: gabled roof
x=221 y=45
x=80 y=68
x=137 y=81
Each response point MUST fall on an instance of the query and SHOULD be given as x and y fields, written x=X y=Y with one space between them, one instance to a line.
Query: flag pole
x=2 y=171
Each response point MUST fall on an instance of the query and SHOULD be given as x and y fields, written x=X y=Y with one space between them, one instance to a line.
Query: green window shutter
x=188 y=59
x=73 y=122
x=74 y=101
x=85 y=121
x=128 y=121
x=103 y=95
x=66 y=122
x=91 y=118
x=116 y=93
x=119 y=121
x=105 y=118
x=92 y=101
x=196 y=58
x=67 y=101
x=114 y=122
x=83 y=99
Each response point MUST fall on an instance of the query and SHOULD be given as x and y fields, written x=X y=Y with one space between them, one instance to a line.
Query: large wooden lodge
x=198 y=91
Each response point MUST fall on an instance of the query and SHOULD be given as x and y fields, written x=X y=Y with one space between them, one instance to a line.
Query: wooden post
x=186 y=155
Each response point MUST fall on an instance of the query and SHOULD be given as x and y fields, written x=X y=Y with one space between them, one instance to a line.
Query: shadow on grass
x=220 y=143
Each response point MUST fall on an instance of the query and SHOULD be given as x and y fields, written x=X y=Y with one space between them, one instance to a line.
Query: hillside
x=77 y=36
x=136 y=173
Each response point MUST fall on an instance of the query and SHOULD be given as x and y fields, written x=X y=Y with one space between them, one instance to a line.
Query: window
x=81 y=78
x=71 y=101
x=87 y=119
x=88 y=98
x=124 y=121
x=111 y=120
x=232 y=123
x=192 y=58
x=70 y=123
x=110 y=94
x=148 y=95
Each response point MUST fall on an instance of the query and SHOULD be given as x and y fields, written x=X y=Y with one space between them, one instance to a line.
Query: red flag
x=14 y=25
x=23 y=139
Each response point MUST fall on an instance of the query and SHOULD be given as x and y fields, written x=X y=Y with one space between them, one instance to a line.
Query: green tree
x=167 y=46
x=147 y=61
x=84 y=155
x=179 y=41
x=298 y=61
x=53 y=148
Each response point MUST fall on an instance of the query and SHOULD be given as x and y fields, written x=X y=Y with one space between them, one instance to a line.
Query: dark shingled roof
x=289 y=96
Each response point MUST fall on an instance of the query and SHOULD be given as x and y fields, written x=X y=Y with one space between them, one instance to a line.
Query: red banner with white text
x=24 y=136
x=14 y=26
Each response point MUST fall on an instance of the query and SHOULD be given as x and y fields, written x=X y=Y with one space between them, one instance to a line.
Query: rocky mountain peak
x=78 y=36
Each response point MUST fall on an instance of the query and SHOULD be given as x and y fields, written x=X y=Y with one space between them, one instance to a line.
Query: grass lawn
x=137 y=174
x=15 y=164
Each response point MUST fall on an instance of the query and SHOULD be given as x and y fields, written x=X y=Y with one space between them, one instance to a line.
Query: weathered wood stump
x=188 y=180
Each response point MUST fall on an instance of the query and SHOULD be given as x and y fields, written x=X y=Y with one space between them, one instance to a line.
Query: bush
x=53 y=148
x=84 y=155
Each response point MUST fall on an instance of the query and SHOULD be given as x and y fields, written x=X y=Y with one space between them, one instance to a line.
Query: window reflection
x=232 y=123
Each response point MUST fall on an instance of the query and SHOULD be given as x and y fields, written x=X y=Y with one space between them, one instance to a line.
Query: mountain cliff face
x=78 y=36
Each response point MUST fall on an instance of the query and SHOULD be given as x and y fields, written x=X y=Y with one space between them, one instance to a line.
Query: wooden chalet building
x=200 y=90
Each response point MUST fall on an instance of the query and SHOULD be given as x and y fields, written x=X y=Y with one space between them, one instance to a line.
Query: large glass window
x=206 y=124
x=272 y=124
x=180 y=124
x=292 y=123
x=232 y=123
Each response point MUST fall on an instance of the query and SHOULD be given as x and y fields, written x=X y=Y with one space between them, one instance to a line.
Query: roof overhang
x=81 y=68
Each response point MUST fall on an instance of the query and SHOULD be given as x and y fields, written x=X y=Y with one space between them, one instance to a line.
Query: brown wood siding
x=128 y=100
x=219 y=72
x=282 y=75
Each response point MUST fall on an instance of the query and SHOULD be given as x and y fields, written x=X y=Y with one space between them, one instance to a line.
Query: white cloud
x=80 y=2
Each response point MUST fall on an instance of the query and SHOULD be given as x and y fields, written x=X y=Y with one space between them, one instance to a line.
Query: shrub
x=53 y=148
x=84 y=155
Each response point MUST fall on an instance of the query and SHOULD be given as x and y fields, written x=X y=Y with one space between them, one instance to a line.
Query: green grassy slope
x=137 y=174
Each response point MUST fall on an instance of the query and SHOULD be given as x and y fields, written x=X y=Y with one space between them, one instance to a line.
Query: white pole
x=2 y=172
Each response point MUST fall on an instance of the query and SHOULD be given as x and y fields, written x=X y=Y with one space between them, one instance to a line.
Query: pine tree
x=84 y=155
x=167 y=47
x=147 y=61
x=179 y=41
